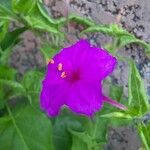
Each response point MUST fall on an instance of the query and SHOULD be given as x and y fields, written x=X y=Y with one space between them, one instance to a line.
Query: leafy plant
x=22 y=123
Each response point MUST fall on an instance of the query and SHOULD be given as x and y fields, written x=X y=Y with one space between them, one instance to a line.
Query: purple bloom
x=74 y=79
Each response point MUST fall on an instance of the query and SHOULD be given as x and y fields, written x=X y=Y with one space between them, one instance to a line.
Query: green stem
x=93 y=124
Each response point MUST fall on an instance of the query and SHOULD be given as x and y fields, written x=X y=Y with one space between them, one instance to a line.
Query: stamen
x=50 y=61
x=60 y=66
x=63 y=74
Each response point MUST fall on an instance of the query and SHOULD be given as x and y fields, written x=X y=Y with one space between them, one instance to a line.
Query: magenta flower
x=74 y=79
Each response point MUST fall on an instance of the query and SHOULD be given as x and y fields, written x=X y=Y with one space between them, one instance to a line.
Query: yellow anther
x=63 y=75
x=60 y=66
x=50 y=61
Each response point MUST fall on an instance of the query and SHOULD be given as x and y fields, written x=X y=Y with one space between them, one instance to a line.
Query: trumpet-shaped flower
x=74 y=79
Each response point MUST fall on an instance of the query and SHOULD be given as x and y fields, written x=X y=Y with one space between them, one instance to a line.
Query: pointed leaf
x=29 y=130
x=36 y=20
x=3 y=29
x=81 y=20
x=23 y=6
x=65 y=122
x=8 y=85
x=6 y=12
x=138 y=100
x=11 y=37
x=32 y=84
x=49 y=51
x=144 y=132
x=78 y=144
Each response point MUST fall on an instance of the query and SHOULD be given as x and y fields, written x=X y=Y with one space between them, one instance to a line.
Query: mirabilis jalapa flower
x=74 y=79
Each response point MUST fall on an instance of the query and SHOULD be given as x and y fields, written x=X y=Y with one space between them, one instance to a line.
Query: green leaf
x=12 y=84
x=6 y=12
x=11 y=39
x=32 y=14
x=117 y=115
x=81 y=20
x=78 y=144
x=84 y=139
x=28 y=130
x=32 y=84
x=144 y=132
x=4 y=59
x=99 y=130
x=38 y=20
x=61 y=136
x=122 y=37
x=116 y=92
x=45 y=14
x=62 y=125
x=71 y=130
x=128 y=39
x=8 y=86
x=49 y=50
x=6 y=4
x=2 y=102
x=10 y=89
x=145 y=45
x=32 y=80
x=138 y=100
x=23 y=6
x=4 y=120
x=7 y=73
x=101 y=28
x=3 y=29
x=125 y=40
x=112 y=30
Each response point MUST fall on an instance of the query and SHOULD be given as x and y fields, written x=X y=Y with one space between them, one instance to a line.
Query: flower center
x=72 y=76
x=75 y=76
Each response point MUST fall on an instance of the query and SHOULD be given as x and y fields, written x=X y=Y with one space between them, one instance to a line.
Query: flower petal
x=52 y=98
x=85 y=98
x=75 y=53
x=98 y=64
x=95 y=63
